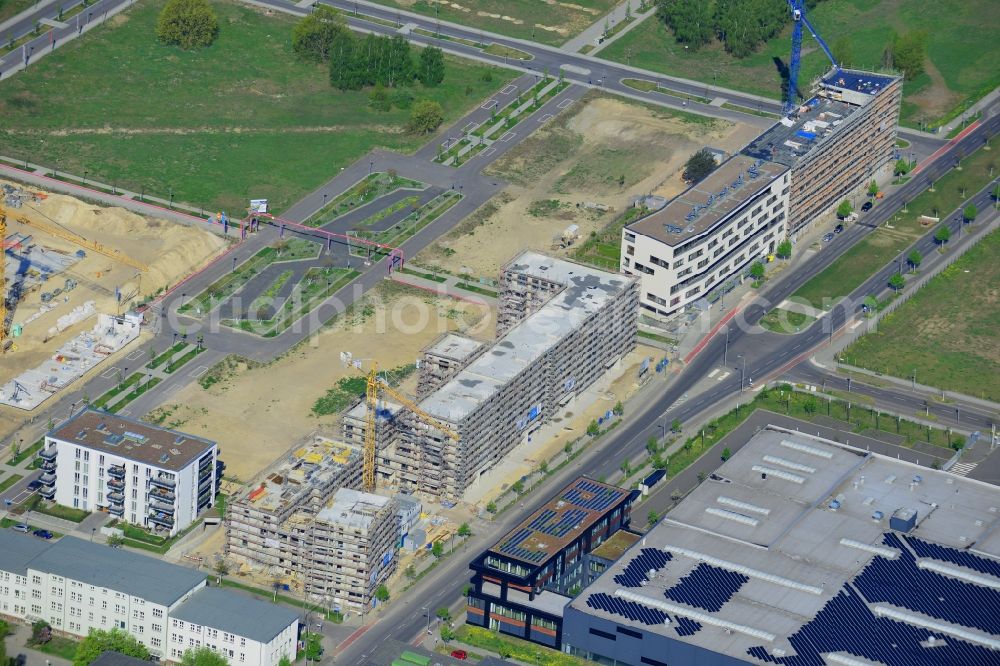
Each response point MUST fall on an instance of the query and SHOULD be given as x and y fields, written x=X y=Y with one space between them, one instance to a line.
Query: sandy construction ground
x=607 y=152
x=256 y=414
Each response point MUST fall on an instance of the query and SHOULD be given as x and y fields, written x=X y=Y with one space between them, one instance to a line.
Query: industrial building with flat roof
x=704 y=240
x=521 y=585
x=835 y=142
x=802 y=551
x=561 y=326
x=154 y=477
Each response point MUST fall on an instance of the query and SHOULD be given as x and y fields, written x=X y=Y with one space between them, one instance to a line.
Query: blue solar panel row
x=541 y=519
x=707 y=587
x=847 y=625
x=686 y=626
x=634 y=574
x=598 y=499
x=944 y=554
x=513 y=547
x=901 y=583
x=628 y=609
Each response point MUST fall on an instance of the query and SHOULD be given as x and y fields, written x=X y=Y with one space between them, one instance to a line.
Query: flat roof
x=546 y=601
x=786 y=554
x=453 y=346
x=132 y=439
x=236 y=613
x=871 y=83
x=569 y=513
x=110 y=658
x=709 y=201
x=615 y=546
x=17 y=550
x=791 y=139
x=353 y=508
x=587 y=290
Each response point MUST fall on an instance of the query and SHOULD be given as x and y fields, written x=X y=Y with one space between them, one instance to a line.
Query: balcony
x=48 y=454
x=47 y=479
x=49 y=465
x=48 y=492
x=163 y=481
x=116 y=498
x=116 y=510
x=116 y=471
x=161 y=519
x=163 y=507
x=116 y=484
x=161 y=494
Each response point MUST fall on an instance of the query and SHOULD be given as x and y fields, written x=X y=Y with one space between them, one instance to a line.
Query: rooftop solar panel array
x=627 y=609
x=686 y=626
x=634 y=574
x=513 y=547
x=963 y=559
x=591 y=495
x=550 y=522
x=707 y=587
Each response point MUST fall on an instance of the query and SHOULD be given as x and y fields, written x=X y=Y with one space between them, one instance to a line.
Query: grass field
x=785 y=321
x=545 y=22
x=239 y=120
x=883 y=245
x=962 y=54
x=947 y=332
x=9 y=8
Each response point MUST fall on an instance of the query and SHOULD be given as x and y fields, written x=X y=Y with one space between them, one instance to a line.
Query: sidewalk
x=970 y=112
x=592 y=34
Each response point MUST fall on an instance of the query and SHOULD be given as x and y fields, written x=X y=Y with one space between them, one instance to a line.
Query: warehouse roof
x=132 y=439
x=790 y=552
x=236 y=613
x=587 y=290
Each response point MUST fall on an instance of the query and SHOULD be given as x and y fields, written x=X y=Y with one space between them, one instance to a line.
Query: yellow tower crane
x=373 y=390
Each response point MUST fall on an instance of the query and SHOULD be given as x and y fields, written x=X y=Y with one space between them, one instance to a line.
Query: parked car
x=459 y=654
x=827 y=238
x=34 y=485
x=43 y=534
x=866 y=206
x=839 y=229
x=21 y=527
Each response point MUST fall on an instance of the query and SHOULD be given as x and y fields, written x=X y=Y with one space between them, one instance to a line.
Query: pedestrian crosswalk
x=962 y=468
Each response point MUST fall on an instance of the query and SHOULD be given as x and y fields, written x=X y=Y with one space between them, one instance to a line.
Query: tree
x=675 y=425
x=543 y=467
x=341 y=56
x=652 y=445
x=901 y=168
x=517 y=486
x=689 y=20
x=425 y=117
x=116 y=541
x=909 y=51
x=785 y=249
x=872 y=188
x=757 y=271
x=4 y=629
x=203 y=656
x=41 y=632
x=464 y=530
x=810 y=406
x=314 y=646
x=618 y=409
x=844 y=209
x=897 y=282
x=652 y=517
x=969 y=213
x=443 y=614
x=285 y=661
x=843 y=51
x=726 y=454
x=593 y=429
x=378 y=99
x=221 y=568
x=410 y=572
x=699 y=165
x=437 y=550
x=189 y=24
x=742 y=25
x=382 y=593
x=914 y=259
x=626 y=467
x=943 y=234
x=871 y=303
x=115 y=640
x=400 y=69
x=491 y=507
x=958 y=443
x=430 y=71
x=314 y=34
x=447 y=633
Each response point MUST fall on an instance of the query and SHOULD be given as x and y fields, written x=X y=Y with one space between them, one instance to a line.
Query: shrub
x=189 y=24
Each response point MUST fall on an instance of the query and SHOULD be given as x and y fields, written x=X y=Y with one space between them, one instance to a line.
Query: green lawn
x=545 y=22
x=962 y=51
x=785 y=321
x=239 y=120
x=9 y=481
x=28 y=452
x=947 y=332
x=883 y=245
x=60 y=511
x=9 y=8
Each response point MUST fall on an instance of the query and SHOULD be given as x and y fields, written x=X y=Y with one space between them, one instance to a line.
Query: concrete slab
x=52 y=23
x=718 y=101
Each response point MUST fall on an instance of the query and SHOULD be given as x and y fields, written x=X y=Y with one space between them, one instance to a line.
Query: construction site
x=71 y=273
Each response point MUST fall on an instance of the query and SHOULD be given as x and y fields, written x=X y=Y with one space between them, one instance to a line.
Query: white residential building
x=707 y=237
x=153 y=477
x=76 y=586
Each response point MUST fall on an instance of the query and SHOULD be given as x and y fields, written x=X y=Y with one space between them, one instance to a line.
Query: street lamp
x=427 y=616
x=234 y=264
x=371 y=165
x=743 y=373
x=725 y=355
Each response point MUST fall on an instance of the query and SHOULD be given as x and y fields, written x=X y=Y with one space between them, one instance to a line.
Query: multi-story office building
x=707 y=237
x=521 y=585
x=75 y=586
x=153 y=477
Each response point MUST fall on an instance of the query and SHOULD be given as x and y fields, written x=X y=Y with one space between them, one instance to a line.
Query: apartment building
x=562 y=326
x=156 y=478
x=836 y=142
x=443 y=359
x=75 y=586
x=521 y=584
x=706 y=238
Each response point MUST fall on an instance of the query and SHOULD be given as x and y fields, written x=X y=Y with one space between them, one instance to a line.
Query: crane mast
x=798 y=20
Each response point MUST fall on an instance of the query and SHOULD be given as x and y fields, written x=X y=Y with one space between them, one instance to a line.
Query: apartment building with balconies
x=156 y=478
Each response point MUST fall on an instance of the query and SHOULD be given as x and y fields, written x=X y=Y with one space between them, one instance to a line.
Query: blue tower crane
x=799 y=19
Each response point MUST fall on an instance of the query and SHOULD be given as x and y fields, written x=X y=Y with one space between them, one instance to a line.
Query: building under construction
x=835 y=142
x=561 y=325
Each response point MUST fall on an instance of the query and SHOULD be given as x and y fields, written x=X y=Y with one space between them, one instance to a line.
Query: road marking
x=507 y=137
x=489 y=151
x=173 y=388
x=302 y=4
x=468 y=126
x=962 y=468
x=856 y=324
x=575 y=69
x=566 y=102
x=488 y=104
x=199 y=371
x=507 y=89
x=109 y=373
x=134 y=355
x=125 y=412
x=723 y=376
x=544 y=119
x=713 y=373
x=52 y=23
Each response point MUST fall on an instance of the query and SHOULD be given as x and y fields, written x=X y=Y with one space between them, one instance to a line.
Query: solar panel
x=628 y=609
x=944 y=554
x=686 y=626
x=707 y=587
x=634 y=574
